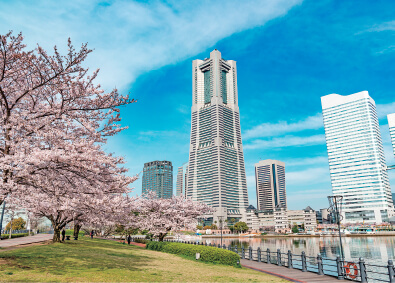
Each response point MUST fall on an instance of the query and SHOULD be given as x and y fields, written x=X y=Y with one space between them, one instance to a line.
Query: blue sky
x=289 y=54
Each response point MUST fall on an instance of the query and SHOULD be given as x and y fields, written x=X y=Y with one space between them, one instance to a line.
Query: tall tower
x=270 y=184
x=181 y=183
x=391 y=124
x=216 y=173
x=158 y=177
x=356 y=157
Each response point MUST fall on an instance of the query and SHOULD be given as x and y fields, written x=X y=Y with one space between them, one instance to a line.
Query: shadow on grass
x=76 y=257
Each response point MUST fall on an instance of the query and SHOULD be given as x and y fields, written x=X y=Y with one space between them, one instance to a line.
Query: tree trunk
x=162 y=236
x=77 y=228
x=56 y=235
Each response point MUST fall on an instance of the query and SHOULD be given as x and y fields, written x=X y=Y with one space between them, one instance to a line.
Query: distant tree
x=241 y=227
x=295 y=229
x=199 y=227
x=231 y=228
x=302 y=227
x=214 y=227
x=206 y=227
x=17 y=224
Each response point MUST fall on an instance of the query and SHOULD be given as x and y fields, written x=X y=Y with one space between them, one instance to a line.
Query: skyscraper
x=391 y=124
x=158 y=177
x=216 y=173
x=356 y=157
x=181 y=183
x=270 y=184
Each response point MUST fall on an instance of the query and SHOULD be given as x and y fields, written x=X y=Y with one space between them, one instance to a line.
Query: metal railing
x=14 y=231
x=357 y=271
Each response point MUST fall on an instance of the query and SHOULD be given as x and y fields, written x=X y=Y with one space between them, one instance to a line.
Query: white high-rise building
x=270 y=184
x=356 y=157
x=216 y=173
x=181 y=183
x=391 y=124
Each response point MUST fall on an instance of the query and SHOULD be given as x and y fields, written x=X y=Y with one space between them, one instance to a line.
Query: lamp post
x=335 y=203
x=220 y=221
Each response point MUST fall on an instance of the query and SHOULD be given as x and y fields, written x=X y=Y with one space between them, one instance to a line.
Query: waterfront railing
x=358 y=271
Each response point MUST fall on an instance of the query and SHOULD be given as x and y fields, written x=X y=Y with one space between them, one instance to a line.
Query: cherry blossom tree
x=160 y=216
x=50 y=110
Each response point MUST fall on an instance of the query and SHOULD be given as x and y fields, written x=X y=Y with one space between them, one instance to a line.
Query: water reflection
x=372 y=249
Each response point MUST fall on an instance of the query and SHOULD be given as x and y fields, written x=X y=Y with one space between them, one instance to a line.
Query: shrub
x=141 y=241
x=207 y=254
x=5 y=236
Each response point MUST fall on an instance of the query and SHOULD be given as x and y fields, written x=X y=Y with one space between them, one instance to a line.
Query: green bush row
x=141 y=241
x=6 y=236
x=207 y=254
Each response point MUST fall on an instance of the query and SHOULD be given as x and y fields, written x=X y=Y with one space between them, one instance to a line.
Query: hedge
x=6 y=236
x=141 y=241
x=207 y=254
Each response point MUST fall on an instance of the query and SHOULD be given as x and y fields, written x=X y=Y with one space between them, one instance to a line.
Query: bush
x=207 y=254
x=141 y=241
x=6 y=236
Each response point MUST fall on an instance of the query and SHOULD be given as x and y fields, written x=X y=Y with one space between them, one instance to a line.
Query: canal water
x=377 y=250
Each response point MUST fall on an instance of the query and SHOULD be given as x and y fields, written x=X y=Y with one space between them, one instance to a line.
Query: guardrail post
x=268 y=257
x=250 y=253
x=362 y=270
x=320 y=266
x=304 y=265
x=391 y=271
x=243 y=253
x=258 y=251
x=339 y=264
x=278 y=257
x=290 y=259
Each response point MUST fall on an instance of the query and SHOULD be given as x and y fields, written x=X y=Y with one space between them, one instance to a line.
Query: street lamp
x=220 y=226
x=335 y=203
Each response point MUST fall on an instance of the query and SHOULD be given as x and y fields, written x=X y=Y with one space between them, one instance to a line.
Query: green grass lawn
x=102 y=260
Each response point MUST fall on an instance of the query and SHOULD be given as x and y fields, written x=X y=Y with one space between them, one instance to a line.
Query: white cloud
x=306 y=161
x=131 y=37
x=387 y=26
x=384 y=109
x=308 y=176
x=283 y=127
x=286 y=141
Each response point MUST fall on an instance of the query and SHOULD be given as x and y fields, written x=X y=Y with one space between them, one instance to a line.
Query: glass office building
x=158 y=177
x=216 y=173
x=270 y=184
x=182 y=176
x=391 y=124
x=356 y=157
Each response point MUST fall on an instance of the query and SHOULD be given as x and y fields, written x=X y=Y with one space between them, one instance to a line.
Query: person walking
x=63 y=234
x=129 y=239
x=92 y=234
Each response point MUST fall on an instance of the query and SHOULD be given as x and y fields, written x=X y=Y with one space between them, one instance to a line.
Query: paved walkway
x=25 y=240
x=293 y=275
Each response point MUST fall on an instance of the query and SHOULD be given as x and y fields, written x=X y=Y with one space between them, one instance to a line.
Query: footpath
x=8 y=243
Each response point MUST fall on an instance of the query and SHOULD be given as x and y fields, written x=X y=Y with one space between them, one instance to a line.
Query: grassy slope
x=102 y=260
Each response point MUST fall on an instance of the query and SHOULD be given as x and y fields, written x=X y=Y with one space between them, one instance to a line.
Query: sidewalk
x=25 y=240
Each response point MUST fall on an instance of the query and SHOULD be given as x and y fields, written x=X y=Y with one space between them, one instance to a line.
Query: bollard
x=268 y=257
x=242 y=253
x=224 y=247
x=339 y=264
x=320 y=266
x=278 y=257
x=304 y=265
x=362 y=270
x=290 y=259
x=391 y=271
x=258 y=251
x=250 y=253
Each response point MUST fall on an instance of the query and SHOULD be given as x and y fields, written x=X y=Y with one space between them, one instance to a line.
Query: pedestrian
x=63 y=234
x=129 y=239
x=92 y=234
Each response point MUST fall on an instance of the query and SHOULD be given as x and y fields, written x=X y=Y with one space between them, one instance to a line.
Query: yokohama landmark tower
x=216 y=173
